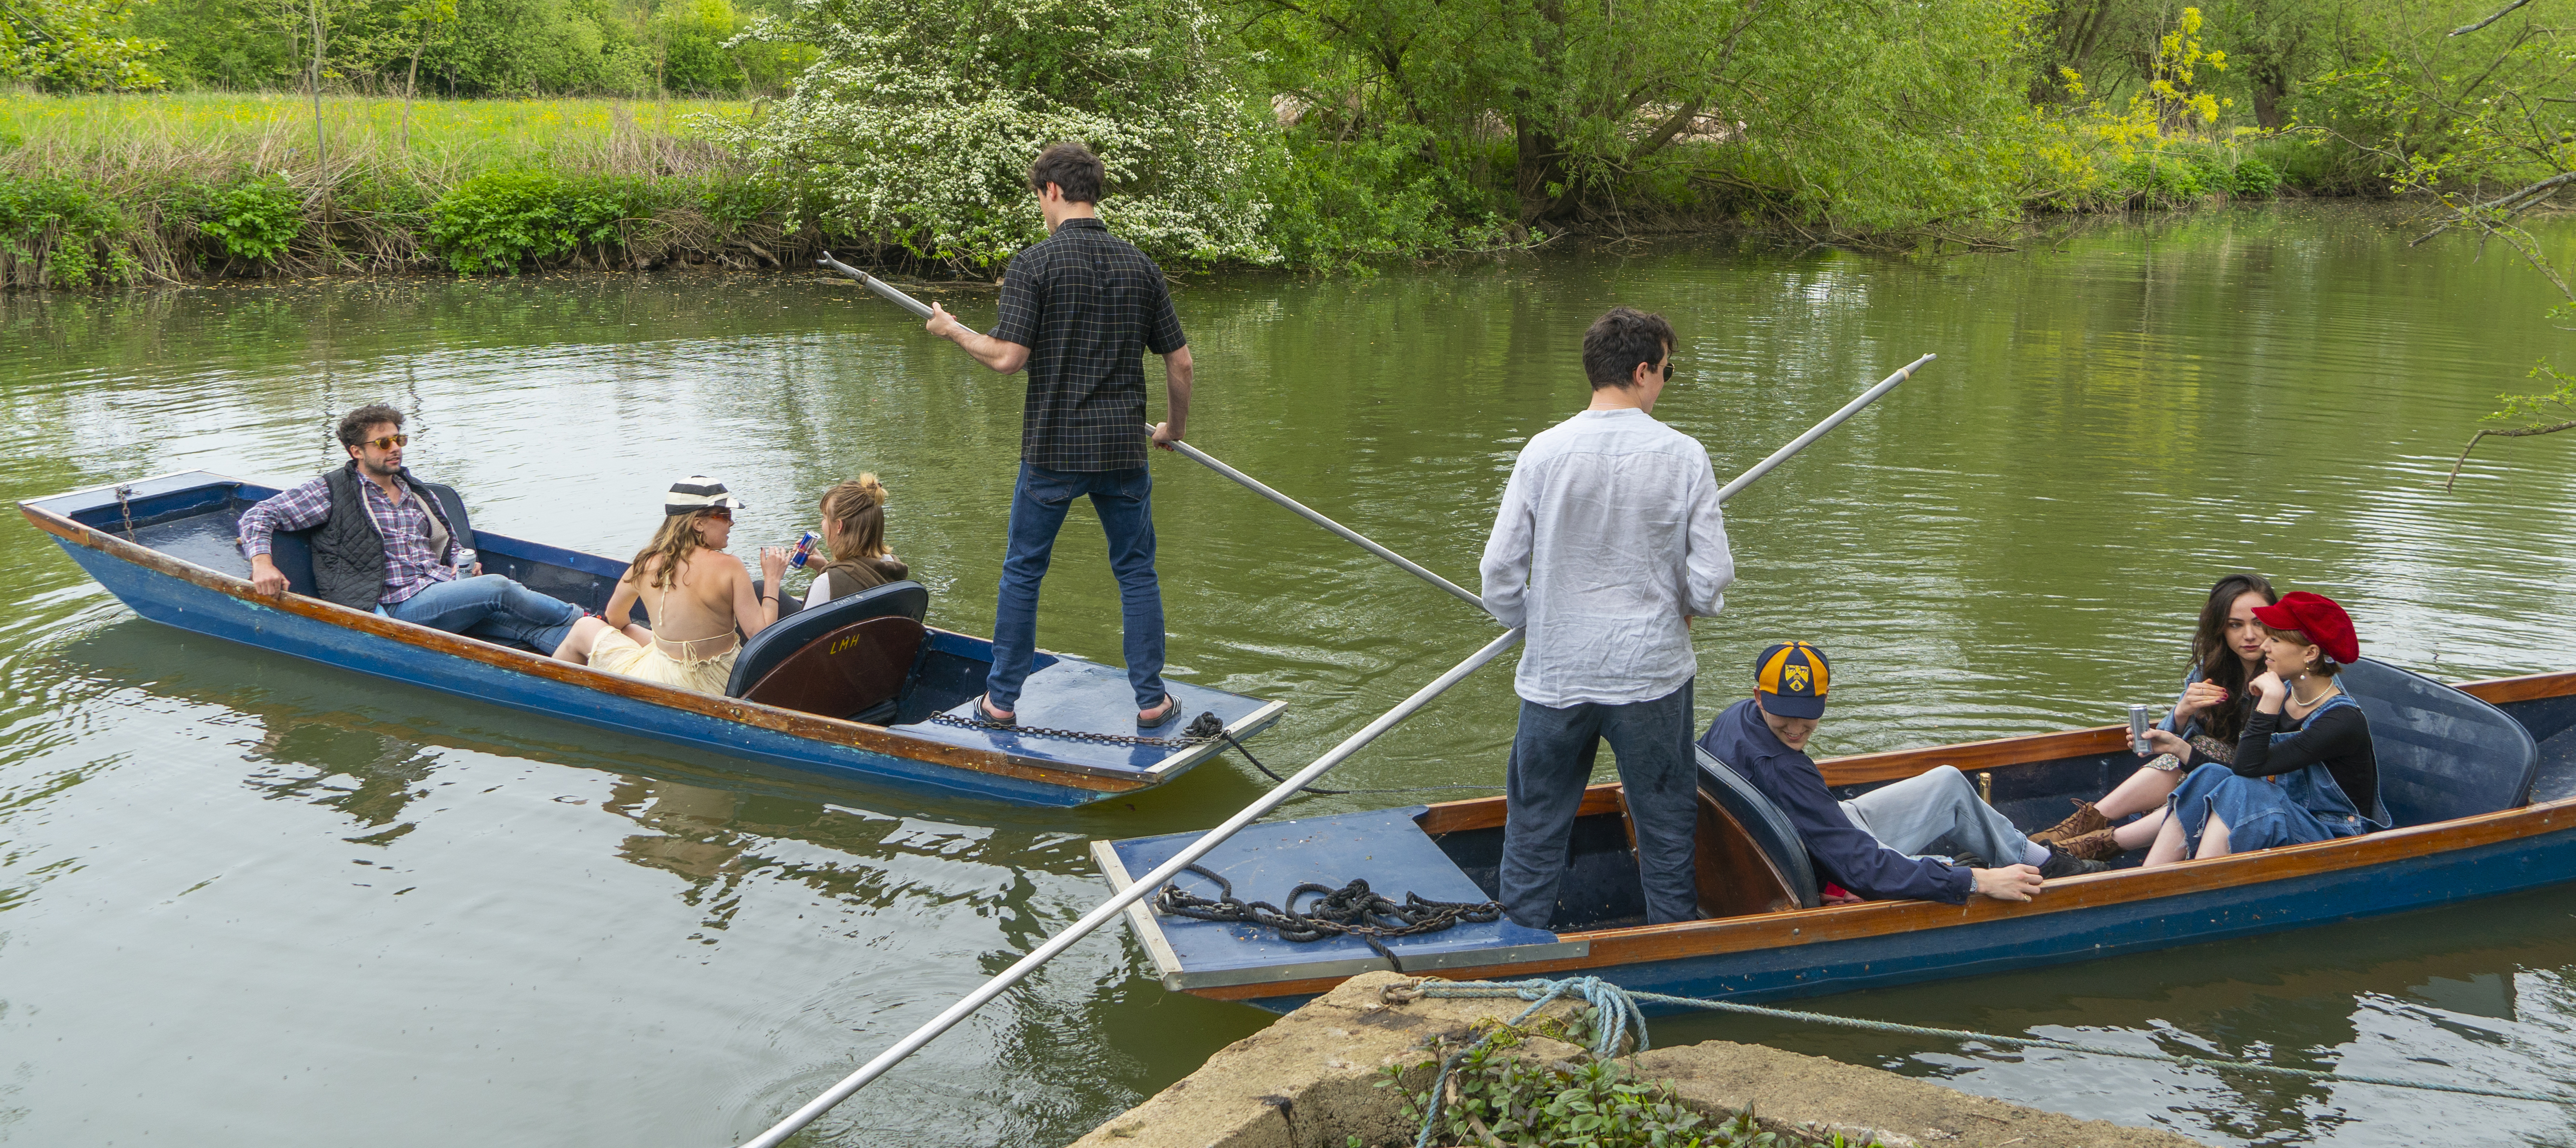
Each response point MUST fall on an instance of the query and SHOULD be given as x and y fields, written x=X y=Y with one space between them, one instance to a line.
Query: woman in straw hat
x=691 y=587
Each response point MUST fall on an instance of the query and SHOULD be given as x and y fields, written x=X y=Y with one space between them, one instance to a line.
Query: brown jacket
x=852 y=575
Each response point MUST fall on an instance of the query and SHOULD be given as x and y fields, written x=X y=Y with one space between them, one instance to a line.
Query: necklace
x=2303 y=703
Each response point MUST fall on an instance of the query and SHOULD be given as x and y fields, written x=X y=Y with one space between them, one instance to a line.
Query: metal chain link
x=123 y=492
x=1205 y=728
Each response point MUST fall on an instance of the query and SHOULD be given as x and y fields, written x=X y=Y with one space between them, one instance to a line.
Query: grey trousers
x=1552 y=755
x=1912 y=814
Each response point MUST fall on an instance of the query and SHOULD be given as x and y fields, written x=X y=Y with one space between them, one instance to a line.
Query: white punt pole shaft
x=1817 y=431
x=1137 y=891
x=1108 y=910
x=1300 y=509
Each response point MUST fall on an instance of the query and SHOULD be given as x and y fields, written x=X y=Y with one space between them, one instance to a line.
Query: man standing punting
x=1608 y=542
x=1079 y=310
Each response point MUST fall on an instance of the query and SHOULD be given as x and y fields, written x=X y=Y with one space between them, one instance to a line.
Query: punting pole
x=1141 y=888
x=891 y=293
x=1817 y=431
x=1150 y=882
x=1255 y=485
x=896 y=296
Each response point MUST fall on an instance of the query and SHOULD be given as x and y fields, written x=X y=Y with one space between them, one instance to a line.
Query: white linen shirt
x=1609 y=537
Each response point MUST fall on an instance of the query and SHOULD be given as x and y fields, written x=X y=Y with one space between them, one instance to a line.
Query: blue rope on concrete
x=1616 y=1016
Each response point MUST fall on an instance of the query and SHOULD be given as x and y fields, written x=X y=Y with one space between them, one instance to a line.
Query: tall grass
x=107 y=189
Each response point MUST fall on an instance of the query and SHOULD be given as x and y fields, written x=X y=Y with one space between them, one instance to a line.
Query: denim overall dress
x=2283 y=809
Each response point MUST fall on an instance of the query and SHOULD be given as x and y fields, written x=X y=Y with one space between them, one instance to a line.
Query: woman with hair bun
x=854 y=532
x=2226 y=653
x=2303 y=769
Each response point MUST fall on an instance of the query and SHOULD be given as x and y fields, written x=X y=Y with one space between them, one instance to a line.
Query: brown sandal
x=2085 y=819
x=2098 y=845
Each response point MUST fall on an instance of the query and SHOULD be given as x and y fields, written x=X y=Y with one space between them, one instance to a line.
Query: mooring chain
x=1205 y=728
x=1353 y=910
x=124 y=492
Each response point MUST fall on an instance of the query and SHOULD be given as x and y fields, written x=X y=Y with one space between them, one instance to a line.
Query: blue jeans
x=490 y=606
x=1552 y=756
x=1124 y=500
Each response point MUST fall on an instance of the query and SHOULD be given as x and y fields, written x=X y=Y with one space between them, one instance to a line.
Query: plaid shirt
x=1087 y=305
x=409 y=566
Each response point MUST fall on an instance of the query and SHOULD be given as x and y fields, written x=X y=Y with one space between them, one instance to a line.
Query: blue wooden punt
x=849 y=689
x=2480 y=780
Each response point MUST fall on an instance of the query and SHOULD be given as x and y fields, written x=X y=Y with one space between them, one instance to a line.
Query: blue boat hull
x=2028 y=941
x=188 y=606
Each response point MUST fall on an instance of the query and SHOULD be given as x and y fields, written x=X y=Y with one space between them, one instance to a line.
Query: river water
x=246 y=899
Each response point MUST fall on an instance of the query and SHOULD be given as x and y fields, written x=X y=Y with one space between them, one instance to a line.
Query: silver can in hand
x=2138 y=731
x=465 y=560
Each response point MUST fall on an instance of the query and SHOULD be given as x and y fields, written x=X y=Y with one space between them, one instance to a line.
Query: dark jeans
x=491 y=606
x=1125 y=501
x=1552 y=758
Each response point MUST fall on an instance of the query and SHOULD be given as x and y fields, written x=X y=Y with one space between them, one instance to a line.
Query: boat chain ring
x=1205 y=728
x=1353 y=910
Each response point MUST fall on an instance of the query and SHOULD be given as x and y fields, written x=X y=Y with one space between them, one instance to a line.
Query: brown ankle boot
x=2095 y=846
x=2085 y=819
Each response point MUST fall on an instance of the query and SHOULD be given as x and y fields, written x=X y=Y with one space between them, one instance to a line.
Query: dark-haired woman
x=854 y=532
x=2303 y=771
x=692 y=587
x=2226 y=653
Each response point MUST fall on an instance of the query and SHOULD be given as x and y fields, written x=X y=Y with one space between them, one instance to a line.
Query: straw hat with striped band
x=698 y=492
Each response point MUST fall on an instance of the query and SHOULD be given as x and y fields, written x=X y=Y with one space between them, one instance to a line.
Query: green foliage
x=74 y=46
x=1499 y=1098
x=501 y=219
x=58 y=232
x=916 y=124
x=254 y=219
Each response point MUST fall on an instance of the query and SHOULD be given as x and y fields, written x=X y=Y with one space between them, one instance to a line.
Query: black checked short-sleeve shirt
x=1087 y=305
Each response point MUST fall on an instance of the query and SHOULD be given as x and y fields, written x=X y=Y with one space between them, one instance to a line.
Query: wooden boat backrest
x=847 y=672
x=2442 y=753
x=1741 y=828
x=784 y=639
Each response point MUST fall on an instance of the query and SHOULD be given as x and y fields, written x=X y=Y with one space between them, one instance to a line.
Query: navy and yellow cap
x=1792 y=677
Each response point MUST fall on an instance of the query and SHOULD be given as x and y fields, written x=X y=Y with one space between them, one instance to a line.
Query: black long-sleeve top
x=2338 y=738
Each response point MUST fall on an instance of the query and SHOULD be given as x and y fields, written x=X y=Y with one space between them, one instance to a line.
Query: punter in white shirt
x=1608 y=542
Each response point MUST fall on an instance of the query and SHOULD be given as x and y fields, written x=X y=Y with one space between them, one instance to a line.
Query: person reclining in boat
x=1869 y=845
x=690 y=586
x=2304 y=769
x=385 y=546
x=2226 y=653
x=854 y=531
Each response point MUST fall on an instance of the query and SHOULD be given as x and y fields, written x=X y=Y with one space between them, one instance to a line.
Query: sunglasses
x=1668 y=370
x=388 y=442
x=720 y=514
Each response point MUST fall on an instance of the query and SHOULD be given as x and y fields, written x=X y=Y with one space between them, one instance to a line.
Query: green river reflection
x=244 y=899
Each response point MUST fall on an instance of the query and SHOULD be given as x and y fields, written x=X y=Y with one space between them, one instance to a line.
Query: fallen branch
x=2522 y=432
x=2513 y=202
x=2501 y=13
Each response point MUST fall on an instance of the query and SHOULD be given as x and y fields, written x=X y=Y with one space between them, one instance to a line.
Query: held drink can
x=2138 y=729
x=804 y=550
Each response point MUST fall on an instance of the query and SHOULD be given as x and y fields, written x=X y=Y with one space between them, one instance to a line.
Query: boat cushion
x=2442 y=754
x=292 y=550
x=1764 y=822
x=789 y=636
x=847 y=672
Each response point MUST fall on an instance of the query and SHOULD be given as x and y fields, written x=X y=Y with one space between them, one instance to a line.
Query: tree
x=72 y=45
x=915 y=125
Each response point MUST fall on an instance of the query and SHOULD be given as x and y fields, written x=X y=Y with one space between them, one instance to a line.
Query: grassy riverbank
x=97 y=190
x=103 y=190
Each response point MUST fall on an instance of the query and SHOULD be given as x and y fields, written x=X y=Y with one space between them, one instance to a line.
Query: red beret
x=2317 y=616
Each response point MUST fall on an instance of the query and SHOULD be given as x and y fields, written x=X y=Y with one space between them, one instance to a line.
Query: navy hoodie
x=1846 y=855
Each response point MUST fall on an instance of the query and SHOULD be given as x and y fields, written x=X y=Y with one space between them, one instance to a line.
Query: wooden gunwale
x=811 y=727
x=1645 y=944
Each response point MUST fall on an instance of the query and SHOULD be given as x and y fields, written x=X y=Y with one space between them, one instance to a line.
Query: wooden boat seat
x=853 y=672
x=1758 y=837
x=2442 y=754
x=824 y=626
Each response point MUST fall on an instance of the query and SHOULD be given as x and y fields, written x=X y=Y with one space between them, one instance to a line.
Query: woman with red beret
x=2304 y=770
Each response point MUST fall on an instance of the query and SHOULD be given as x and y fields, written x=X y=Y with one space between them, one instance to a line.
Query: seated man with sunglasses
x=384 y=545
